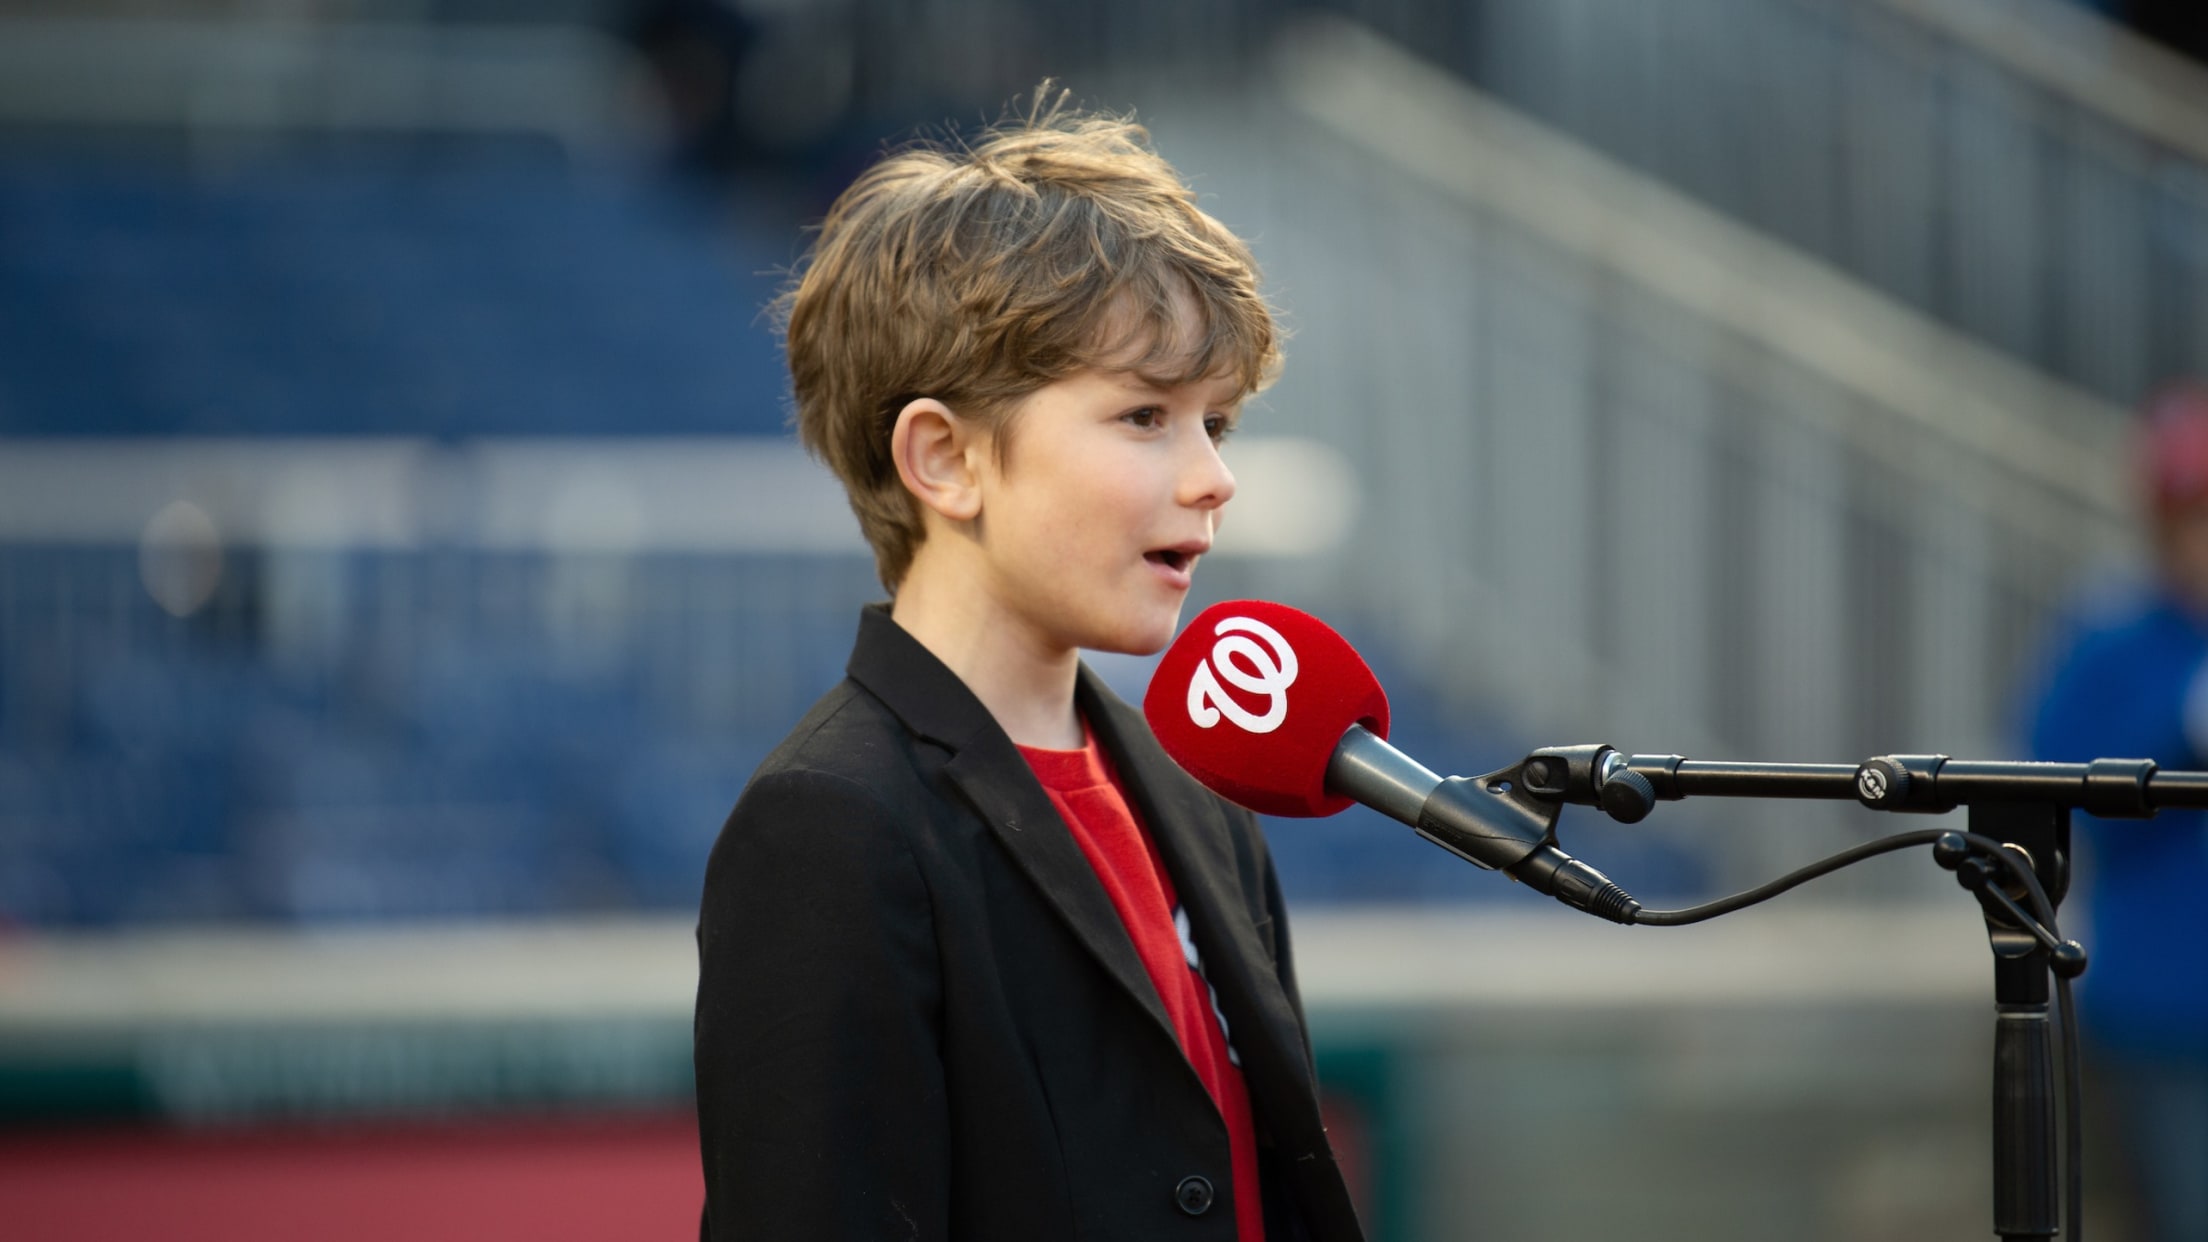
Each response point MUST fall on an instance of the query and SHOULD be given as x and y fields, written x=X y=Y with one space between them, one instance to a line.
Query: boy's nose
x=1206 y=483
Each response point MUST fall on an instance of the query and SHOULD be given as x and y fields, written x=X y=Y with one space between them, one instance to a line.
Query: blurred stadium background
x=403 y=561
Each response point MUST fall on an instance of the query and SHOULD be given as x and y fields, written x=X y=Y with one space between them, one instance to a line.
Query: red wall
x=546 y=1180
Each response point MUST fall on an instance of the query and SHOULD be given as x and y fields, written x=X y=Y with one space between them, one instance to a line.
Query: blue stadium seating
x=319 y=298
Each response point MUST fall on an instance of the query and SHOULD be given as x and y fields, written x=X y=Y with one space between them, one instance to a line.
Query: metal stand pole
x=2025 y=1177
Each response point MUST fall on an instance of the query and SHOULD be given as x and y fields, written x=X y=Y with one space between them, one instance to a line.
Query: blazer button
x=1193 y=1195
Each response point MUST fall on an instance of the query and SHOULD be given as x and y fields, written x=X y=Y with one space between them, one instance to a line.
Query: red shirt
x=1087 y=793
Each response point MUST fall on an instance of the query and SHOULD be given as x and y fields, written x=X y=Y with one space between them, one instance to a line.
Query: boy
x=977 y=961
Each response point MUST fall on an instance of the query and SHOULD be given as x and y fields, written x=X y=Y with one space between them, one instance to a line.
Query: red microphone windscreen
x=1251 y=700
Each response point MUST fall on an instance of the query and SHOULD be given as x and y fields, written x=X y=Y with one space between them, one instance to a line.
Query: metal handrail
x=1934 y=380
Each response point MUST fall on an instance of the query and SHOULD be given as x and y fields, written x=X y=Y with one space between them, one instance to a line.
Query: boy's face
x=2183 y=542
x=1091 y=526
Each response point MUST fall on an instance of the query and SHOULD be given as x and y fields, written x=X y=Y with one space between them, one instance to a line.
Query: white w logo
x=1267 y=672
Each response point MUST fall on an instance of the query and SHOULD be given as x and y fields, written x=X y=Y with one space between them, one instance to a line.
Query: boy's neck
x=1025 y=681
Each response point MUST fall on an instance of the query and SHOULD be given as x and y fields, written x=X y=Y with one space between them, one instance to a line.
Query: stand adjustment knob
x=2067 y=959
x=1950 y=850
x=1882 y=784
x=1627 y=796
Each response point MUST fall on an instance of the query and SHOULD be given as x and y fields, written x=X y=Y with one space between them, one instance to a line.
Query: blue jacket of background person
x=2119 y=690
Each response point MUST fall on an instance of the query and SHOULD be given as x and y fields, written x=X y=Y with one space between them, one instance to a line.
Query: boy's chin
x=1147 y=637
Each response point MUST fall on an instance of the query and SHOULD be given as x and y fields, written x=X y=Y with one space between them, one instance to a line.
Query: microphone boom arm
x=2025 y=808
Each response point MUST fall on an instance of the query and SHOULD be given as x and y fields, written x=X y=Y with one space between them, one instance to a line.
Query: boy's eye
x=1147 y=416
x=1218 y=427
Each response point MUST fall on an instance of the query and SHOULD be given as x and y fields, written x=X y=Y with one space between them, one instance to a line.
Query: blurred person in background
x=2131 y=681
x=696 y=49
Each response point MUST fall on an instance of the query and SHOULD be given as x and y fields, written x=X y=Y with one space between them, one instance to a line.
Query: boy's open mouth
x=1169 y=558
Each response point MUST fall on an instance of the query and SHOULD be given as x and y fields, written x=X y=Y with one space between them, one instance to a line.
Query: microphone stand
x=2025 y=806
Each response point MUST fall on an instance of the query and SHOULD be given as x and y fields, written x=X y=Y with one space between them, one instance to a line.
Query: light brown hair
x=977 y=273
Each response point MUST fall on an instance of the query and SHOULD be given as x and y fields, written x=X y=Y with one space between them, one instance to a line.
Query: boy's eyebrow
x=1131 y=379
x=1159 y=385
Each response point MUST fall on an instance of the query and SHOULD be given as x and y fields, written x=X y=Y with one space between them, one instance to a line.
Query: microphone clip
x=1504 y=822
x=1495 y=821
x=1590 y=775
x=1492 y=821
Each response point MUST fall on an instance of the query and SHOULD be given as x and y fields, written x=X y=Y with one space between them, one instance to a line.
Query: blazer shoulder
x=831 y=809
x=843 y=753
x=847 y=737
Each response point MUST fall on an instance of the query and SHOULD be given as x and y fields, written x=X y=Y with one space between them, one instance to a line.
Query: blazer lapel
x=989 y=771
x=1192 y=835
x=1003 y=788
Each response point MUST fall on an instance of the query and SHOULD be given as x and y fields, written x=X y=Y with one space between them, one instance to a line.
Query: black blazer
x=919 y=1015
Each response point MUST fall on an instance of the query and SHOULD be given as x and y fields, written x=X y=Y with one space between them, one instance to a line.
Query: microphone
x=1269 y=708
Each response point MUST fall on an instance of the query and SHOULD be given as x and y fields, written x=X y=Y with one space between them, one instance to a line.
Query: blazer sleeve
x=821 y=1102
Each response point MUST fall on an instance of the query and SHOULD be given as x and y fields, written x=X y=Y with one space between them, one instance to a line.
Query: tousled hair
x=976 y=273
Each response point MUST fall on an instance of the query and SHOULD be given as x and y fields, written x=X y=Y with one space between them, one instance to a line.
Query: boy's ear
x=936 y=452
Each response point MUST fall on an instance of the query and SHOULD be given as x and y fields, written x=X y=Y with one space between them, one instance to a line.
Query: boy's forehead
x=1136 y=356
x=1165 y=339
x=1155 y=337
